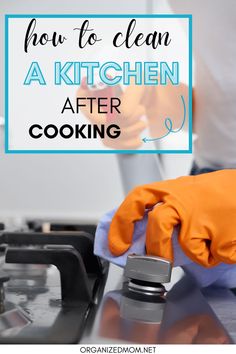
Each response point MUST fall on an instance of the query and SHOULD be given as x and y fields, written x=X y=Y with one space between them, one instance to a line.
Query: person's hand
x=203 y=205
x=131 y=120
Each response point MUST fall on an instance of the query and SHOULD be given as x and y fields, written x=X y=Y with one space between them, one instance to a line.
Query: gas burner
x=56 y=299
x=143 y=294
x=147 y=288
x=147 y=272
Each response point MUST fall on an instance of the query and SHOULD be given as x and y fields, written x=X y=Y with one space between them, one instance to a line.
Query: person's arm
x=156 y=103
x=163 y=102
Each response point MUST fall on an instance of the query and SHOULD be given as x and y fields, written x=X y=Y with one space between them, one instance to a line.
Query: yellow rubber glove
x=203 y=205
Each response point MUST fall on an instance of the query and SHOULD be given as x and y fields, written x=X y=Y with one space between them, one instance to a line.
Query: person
x=204 y=204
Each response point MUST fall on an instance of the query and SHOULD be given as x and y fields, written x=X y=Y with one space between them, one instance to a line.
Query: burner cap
x=148 y=269
x=147 y=288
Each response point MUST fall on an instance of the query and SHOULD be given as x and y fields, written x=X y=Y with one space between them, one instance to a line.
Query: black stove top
x=54 y=290
x=50 y=283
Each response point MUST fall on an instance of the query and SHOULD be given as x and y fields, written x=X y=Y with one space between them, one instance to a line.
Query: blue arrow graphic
x=169 y=125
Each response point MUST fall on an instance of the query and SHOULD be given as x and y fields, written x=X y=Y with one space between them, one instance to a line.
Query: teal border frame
x=8 y=151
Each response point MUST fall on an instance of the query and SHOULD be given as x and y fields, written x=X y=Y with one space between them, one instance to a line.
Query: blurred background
x=81 y=187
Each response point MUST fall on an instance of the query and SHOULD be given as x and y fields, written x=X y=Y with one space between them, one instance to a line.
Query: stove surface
x=189 y=315
x=54 y=290
x=50 y=284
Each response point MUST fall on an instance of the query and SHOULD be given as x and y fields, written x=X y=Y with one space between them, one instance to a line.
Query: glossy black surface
x=45 y=303
x=67 y=303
